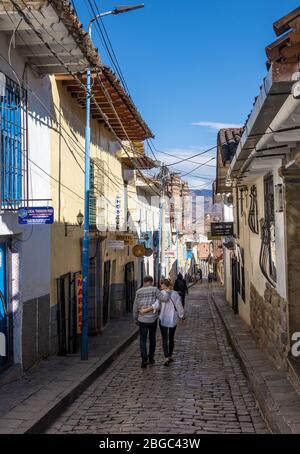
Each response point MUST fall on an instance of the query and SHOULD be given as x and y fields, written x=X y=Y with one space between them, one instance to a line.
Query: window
x=237 y=213
x=96 y=193
x=242 y=200
x=253 y=211
x=268 y=251
x=13 y=147
x=241 y=275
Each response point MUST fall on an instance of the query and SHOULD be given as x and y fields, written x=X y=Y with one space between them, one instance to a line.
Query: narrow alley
x=203 y=391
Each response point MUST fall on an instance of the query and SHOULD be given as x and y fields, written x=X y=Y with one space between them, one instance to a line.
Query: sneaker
x=171 y=360
x=151 y=362
x=144 y=364
x=167 y=362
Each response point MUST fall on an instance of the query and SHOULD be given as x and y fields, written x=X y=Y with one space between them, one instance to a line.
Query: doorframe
x=10 y=333
x=234 y=280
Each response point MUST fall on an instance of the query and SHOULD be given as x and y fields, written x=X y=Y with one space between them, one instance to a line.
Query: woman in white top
x=170 y=313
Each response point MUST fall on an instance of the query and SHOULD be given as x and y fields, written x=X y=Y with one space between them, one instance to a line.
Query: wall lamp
x=71 y=227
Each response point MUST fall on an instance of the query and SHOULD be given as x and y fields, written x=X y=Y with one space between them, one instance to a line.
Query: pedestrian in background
x=181 y=287
x=200 y=275
x=146 y=298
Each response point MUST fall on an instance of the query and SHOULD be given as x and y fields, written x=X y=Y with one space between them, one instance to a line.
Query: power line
x=64 y=138
x=194 y=156
x=196 y=168
x=78 y=80
x=174 y=156
x=103 y=36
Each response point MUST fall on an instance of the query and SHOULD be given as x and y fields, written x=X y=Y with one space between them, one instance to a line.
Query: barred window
x=13 y=144
x=268 y=250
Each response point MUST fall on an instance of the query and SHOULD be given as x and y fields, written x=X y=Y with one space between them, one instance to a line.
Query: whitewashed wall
x=30 y=257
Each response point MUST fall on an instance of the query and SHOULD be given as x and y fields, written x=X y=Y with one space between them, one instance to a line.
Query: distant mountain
x=202 y=192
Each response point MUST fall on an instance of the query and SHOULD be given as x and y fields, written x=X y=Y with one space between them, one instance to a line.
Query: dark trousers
x=146 y=328
x=168 y=335
x=182 y=295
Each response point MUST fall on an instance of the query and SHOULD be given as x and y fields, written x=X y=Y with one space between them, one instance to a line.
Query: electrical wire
x=194 y=156
x=198 y=167
x=174 y=156
x=108 y=46
x=70 y=72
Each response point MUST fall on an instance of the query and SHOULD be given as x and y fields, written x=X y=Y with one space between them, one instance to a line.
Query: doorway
x=235 y=289
x=65 y=315
x=5 y=314
x=129 y=286
x=106 y=292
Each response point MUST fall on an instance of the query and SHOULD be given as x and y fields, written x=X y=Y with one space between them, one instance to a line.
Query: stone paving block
x=201 y=392
x=277 y=399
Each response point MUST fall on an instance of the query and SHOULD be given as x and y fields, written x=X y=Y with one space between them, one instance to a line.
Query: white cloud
x=214 y=125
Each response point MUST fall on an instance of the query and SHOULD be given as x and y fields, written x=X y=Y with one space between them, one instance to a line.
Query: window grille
x=253 y=211
x=267 y=253
x=13 y=145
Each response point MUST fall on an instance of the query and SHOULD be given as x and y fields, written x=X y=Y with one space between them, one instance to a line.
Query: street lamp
x=85 y=242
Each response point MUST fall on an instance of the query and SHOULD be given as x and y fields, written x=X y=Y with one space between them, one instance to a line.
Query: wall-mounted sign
x=118 y=211
x=78 y=293
x=220 y=229
x=128 y=239
x=115 y=244
x=35 y=215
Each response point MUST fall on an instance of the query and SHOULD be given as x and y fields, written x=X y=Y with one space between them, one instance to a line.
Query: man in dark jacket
x=181 y=287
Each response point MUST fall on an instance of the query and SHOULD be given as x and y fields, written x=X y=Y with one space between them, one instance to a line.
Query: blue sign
x=36 y=215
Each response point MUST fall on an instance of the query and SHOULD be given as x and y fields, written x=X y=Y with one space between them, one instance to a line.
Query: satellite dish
x=139 y=250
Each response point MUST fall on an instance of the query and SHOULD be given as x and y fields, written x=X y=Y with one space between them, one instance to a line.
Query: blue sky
x=191 y=61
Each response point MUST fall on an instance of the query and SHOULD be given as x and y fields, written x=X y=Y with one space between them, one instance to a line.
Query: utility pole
x=85 y=243
x=163 y=176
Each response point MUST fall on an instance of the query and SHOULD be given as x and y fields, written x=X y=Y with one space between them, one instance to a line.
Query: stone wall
x=269 y=324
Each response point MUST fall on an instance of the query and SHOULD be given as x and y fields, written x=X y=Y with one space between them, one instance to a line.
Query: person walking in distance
x=145 y=298
x=169 y=315
x=181 y=287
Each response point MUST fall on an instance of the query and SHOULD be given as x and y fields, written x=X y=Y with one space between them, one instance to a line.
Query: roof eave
x=274 y=92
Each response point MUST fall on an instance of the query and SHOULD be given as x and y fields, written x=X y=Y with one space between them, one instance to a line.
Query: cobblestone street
x=203 y=391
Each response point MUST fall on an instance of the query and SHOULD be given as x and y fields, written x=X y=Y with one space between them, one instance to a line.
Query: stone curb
x=45 y=418
x=277 y=399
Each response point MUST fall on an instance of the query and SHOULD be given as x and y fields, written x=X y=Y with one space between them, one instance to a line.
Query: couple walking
x=150 y=305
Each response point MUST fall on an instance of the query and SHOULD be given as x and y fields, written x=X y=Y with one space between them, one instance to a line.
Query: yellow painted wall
x=67 y=165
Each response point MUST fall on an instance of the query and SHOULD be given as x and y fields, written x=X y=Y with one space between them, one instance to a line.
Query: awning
x=48 y=35
x=115 y=104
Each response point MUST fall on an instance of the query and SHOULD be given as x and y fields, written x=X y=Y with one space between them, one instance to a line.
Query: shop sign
x=115 y=244
x=78 y=293
x=35 y=215
x=220 y=229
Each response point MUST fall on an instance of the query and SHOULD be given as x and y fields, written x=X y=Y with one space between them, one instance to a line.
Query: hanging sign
x=219 y=229
x=78 y=293
x=35 y=215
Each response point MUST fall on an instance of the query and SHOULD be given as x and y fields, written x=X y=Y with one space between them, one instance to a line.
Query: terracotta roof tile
x=228 y=140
